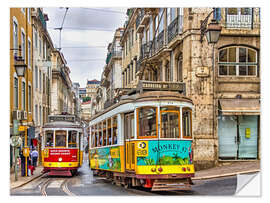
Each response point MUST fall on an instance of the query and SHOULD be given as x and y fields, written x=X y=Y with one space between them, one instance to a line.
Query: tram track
x=64 y=187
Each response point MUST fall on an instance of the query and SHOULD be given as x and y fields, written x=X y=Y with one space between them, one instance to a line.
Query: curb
x=28 y=181
x=225 y=175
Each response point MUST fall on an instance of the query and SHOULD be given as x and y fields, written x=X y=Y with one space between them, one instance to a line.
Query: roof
x=93 y=81
x=87 y=102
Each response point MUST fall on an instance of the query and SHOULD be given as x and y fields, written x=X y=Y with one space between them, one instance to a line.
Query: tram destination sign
x=62 y=118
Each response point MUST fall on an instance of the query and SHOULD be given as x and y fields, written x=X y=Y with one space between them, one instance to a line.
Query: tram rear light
x=160 y=169
x=184 y=169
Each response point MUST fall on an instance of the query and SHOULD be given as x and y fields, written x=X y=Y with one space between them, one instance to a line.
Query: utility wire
x=84 y=47
x=84 y=28
x=103 y=10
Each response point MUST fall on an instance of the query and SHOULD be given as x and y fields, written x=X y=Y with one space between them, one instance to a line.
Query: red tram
x=62 y=146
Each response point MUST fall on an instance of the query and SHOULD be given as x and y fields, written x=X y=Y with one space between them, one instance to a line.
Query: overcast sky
x=85 y=36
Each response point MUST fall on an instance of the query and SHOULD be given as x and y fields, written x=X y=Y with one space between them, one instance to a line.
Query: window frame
x=138 y=123
x=179 y=123
x=190 y=127
x=237 y=64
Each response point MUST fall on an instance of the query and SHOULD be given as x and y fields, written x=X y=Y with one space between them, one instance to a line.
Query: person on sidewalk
x=34 y=156
x=22 y=164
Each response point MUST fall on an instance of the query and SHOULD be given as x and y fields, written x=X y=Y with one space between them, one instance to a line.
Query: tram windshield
x=170 y=121
x=147 y=119
x=60 y=138
x=49 y=138
x=72 y=139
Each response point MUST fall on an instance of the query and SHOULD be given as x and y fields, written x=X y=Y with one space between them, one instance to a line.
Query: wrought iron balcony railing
x=173 y=29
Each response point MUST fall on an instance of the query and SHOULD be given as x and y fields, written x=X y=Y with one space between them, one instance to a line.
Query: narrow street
x=85 y=184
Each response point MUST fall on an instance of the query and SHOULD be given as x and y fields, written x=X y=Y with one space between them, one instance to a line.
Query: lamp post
x=20 y=68
x=212 y=32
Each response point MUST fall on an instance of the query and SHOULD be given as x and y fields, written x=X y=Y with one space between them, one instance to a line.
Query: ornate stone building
x=166 y=46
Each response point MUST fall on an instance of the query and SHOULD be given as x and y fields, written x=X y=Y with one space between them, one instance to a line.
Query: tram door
x=130 y=145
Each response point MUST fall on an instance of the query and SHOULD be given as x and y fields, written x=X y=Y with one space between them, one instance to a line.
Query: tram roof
x=147 y=96
x=62 y=124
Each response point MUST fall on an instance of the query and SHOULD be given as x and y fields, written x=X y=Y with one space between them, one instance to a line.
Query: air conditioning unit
x=24 y=115
x=16 y=115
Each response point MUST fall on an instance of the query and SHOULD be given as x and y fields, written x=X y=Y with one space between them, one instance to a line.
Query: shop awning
x=239 y=106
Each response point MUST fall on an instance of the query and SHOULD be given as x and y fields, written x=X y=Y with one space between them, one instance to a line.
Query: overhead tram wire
x=103 y=10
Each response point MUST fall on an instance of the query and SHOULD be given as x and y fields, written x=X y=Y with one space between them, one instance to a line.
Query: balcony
x=145 y=50
x=144 y=85
x=173 y=29
x=113 y=54
x=239 y=18
x=42 y=19
x=141 y=20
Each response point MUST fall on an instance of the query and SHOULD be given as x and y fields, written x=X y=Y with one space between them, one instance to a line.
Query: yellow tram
x=62 y=145
x=144 y=140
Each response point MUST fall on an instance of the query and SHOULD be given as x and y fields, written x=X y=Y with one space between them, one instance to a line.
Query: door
x=227 y=136
x=130 y=145
x=248 y=133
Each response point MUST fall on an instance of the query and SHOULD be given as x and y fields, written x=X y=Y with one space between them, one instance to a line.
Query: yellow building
x=21 y=88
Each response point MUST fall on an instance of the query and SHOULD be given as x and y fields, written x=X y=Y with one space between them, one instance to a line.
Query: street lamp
x=19 y=64
x=213 y=31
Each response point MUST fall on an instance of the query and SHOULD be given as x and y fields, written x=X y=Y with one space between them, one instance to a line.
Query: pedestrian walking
x=34 y=156
x=22 y=164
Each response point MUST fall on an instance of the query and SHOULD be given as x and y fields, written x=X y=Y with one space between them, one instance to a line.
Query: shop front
x=238 y=129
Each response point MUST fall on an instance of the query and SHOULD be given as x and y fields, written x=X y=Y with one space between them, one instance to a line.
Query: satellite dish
x=15 y=141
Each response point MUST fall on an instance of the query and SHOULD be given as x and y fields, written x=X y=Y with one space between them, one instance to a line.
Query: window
x=23 y=45
x=104 y=133
x=237 y=61
x=16 y=92
x=239 y=18
x=29 y=99
x=29 y=54
x=170 y=122
x=48 y=138
x=167 y=72
x=15 y=36
x=36 y=38
x=180 y=68
x=72 y=139
x=150 y=30
x=36 y=114
x=109 y=129
x=186 y=123
x=40 y=76
x=40 y=47
x=161 y=17
x=129 y=126
x=29 y=14
x=36 y=77
x=60 y=138
x=23 y=96
x=147 y=122
x=40 y=116
x=114 y=131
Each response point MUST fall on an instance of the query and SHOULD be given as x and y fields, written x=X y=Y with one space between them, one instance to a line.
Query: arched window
x=237 y=61
x=167 y=72
x=180 y=68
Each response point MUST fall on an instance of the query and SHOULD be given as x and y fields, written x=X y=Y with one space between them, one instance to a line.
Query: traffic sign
x=15 y=141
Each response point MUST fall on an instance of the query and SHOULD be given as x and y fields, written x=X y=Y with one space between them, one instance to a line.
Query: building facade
x=62 y=100
x=21 y=88
x=91 y=88
x=42 y=72
x=223 y=80
x=112 y=73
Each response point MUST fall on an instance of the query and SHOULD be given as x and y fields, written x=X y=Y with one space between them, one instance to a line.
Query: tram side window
x=99 y=134
x=72 y=141
x=114 y=124
x=60 y=138
x=186 y=125
x=147 y=122
x=109 y=129
x=104 y=133
x=49 y=138
x=129 y=126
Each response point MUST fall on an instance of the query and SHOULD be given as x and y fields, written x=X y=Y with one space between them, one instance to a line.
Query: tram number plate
x=142 y=152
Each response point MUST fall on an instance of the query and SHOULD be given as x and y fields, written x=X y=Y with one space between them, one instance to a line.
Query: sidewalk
x=228 y=169
x=23 y=180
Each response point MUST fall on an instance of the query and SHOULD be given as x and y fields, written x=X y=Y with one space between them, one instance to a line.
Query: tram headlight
x=60 y=159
